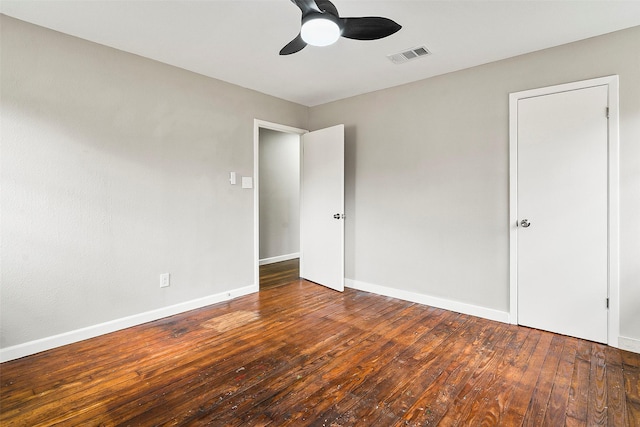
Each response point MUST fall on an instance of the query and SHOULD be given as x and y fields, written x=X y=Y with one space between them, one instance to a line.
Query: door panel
x=562 y=192
x=322 y=197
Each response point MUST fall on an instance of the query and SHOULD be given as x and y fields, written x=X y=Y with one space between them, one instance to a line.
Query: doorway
x=321 y=165
x=563 y=209
x=277 y=192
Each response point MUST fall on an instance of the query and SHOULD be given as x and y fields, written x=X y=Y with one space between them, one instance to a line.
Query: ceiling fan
x=322 y=26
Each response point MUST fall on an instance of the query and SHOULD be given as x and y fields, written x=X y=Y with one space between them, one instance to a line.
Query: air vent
x=402 y=57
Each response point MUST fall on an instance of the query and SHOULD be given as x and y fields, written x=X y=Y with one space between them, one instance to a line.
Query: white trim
x=279 y=258
x=446 y=304
x=613 y=253
x=257 y=124
x=36 y=346
x=513 y=209
x=614 y=213
x=629 y=344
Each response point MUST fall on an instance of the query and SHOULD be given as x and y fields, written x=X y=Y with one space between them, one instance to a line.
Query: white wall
x=427 y=174
x=279 y=193
x=114 y=169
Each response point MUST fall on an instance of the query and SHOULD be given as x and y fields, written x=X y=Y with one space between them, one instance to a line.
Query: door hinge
x=607 y=112
x=607 y=302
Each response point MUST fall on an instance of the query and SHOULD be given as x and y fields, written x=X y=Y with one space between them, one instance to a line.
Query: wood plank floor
x=279 y=273
x=301 y=354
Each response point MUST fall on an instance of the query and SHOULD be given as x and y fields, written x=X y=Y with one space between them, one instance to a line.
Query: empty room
x=323 y=213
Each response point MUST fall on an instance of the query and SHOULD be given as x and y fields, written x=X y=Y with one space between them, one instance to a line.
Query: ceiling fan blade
x=295 y=45
x=368 y=28
x=306 y=6
x=327 y=6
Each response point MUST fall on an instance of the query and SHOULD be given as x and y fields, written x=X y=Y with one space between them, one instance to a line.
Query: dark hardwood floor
x=279 y=273
x=301 y=354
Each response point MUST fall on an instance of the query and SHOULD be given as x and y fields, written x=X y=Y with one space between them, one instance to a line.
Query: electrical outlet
x=165 y=280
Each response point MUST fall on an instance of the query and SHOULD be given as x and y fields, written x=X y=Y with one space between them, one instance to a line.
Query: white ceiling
x=238 y=40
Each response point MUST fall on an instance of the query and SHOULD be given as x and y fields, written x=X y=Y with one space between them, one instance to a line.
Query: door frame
x=257 y=125
x=613 y=326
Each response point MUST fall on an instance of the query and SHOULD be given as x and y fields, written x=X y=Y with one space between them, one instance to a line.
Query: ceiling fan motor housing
x=320 y=29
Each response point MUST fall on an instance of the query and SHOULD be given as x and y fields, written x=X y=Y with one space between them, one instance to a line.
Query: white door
x=562 y=258
x=322 y=207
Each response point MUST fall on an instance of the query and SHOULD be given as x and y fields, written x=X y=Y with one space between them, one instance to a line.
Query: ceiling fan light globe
x=320 y=32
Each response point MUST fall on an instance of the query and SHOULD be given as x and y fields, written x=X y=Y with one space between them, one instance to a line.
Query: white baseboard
x=459 y=307
x=279 y=258
x=629 y=344
x=36 y=346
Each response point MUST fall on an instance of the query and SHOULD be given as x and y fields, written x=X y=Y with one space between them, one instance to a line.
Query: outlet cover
x=165 y=280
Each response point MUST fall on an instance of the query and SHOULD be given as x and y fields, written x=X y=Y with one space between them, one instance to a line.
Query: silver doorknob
x=525 y=223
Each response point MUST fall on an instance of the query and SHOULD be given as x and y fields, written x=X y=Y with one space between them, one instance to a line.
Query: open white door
x=322 y=207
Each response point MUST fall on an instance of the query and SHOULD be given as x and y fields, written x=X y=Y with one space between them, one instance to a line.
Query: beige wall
x=427 y=173
x=279 y=193
x=115 y=169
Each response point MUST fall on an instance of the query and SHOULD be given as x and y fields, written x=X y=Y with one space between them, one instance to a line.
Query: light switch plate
x=247 y=182
x=232 y=178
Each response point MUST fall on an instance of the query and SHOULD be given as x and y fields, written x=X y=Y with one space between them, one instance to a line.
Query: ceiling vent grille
x=408 y=55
